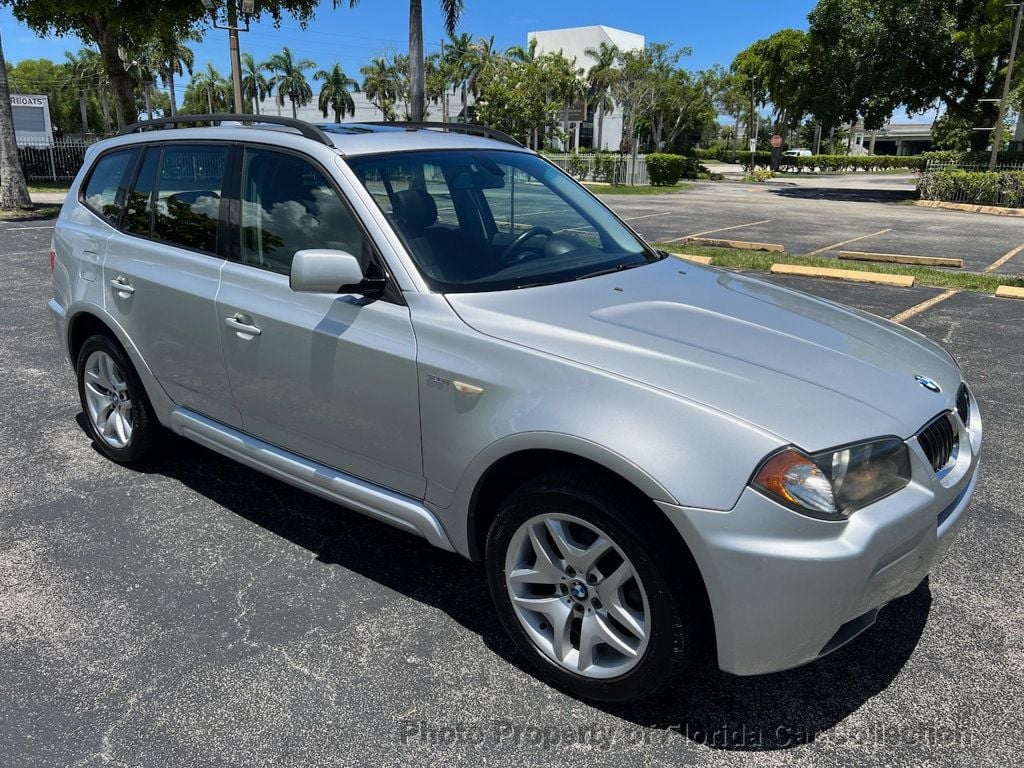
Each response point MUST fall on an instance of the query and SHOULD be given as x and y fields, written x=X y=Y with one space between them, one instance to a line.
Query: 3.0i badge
x=927 y=383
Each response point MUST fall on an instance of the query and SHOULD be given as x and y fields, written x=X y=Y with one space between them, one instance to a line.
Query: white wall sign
x=31 y=114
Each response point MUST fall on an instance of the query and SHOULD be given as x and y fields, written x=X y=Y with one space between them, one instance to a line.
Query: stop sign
x=776 y=141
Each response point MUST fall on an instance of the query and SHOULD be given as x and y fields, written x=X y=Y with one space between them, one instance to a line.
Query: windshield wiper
x=611 y=270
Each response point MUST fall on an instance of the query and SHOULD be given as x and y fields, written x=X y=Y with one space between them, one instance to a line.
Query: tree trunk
x=209 y=99
x=13 y=190
x=149 y=101
x=106 y=109
x=600 y=123
x=416 y=75
x=170 y=92
x=337 y=115
x=256 y=103
x=295 y=108
x=84 y=110
x=120 y=80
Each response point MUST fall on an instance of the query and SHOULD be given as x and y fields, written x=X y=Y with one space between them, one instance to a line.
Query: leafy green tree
x=255 y=86
x=289 y=78
x=117 y=26
x=515 y=99
x=336 y=92
x=13 y=189
x=912 y=53
x=640 y=84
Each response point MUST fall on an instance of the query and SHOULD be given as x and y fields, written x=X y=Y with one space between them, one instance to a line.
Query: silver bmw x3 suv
x=443 y=331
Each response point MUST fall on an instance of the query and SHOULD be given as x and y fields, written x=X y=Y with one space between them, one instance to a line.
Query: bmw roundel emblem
x=927 y=383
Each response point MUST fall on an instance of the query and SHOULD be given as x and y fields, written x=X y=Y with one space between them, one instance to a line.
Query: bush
x=759 y=175
x=953 y=185
x=578 y=167
x=665 y=170
x=608 y=167
x=971 y=158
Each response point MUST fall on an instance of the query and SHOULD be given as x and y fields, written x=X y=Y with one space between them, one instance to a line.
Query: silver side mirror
x=325 y=271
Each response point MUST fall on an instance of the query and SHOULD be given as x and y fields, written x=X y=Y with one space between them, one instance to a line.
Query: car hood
x=811 y=372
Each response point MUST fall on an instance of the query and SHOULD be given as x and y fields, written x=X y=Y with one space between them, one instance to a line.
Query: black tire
x=675 y=594
x=147 y=433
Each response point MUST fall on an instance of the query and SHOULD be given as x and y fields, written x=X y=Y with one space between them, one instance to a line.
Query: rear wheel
x=591 y=589
x=118 y=413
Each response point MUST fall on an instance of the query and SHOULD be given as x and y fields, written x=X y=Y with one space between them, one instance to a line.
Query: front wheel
x=591 y=590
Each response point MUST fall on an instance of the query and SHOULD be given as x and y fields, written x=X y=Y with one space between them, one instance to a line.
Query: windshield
x=486 y=220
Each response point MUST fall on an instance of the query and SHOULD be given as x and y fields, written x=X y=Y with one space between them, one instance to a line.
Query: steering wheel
x=516 y=244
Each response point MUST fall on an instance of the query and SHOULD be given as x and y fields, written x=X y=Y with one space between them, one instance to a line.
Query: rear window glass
x=187 y=202
x=104 y=191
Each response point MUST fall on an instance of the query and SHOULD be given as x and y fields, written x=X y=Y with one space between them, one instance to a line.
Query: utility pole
x=248 y=7
x=751 y=130
x=998 y=136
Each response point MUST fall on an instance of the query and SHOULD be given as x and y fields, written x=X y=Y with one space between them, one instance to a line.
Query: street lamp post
x=248 y=7
x=998 y=135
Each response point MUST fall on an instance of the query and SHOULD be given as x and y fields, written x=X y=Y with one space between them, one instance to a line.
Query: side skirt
x=369 y=499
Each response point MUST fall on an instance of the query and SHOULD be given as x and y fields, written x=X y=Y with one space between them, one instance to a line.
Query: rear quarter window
x=104 y=190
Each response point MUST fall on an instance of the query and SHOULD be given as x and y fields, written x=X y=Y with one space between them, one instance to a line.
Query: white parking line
x=713 y=231
x=15 y=229
x=847 y=242
x=650 y=215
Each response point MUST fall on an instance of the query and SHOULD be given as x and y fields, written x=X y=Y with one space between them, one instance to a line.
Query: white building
x=573 y=44
x=892 y=139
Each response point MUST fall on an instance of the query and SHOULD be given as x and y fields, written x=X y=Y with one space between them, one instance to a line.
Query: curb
x=739 y=244
x=904 y=281
x=993 y=209
x=1009 y=292
x=896 y=258
x=691 y=257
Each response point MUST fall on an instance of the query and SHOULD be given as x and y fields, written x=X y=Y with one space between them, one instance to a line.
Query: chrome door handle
x=237 y=323
x=121 y=285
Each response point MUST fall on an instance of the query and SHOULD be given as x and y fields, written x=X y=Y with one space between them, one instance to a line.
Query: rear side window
x=176 y=195
x=104 y=191
x=186 y=205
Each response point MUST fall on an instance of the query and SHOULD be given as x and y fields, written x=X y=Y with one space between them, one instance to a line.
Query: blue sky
x=715 y=30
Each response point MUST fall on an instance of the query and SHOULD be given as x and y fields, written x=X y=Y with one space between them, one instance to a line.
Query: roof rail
x=306 y=129
x=482 y=130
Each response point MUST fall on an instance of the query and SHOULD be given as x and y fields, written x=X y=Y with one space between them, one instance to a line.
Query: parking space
x=198 y=613
x=822 y=216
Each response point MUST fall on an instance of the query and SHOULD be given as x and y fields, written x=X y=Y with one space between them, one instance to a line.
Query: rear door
x=162 y=272
x=331 y=377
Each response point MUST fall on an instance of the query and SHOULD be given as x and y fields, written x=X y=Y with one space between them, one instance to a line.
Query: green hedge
x=953 y=185
x=973 y=158
x=666 y=170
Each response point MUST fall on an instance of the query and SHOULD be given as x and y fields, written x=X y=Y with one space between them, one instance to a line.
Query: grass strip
x=617 y=189
x=754 y=261
x=34 y=214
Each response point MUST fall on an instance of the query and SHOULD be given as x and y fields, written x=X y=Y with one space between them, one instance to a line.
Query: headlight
x=833 y=484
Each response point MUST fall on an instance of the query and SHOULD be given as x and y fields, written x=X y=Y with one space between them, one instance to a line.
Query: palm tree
x=86 y=67
x=255 y=87
x=289 y=79
x=13 y=189
x=211 y=84
x=451 y=10
x=521 y=55
x=379 y=86
x=460 y=59
x=600 y=78
x=173 y=57
x=335 y=92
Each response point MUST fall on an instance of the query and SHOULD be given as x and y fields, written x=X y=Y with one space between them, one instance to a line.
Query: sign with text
x=31 y=113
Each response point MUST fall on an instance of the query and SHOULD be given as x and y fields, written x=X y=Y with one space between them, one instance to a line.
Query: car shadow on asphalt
x=865 y=195
x=717 y=710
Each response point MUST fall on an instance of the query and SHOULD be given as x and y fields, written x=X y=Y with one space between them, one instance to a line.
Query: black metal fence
x=57 y=160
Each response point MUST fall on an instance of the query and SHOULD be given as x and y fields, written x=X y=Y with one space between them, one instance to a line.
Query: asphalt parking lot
x=822 y=215
x=197 y=613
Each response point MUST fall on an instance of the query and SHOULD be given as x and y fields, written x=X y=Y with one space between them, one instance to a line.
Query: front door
x=330 y=377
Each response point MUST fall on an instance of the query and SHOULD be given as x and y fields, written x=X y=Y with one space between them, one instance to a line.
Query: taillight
x=53 y=259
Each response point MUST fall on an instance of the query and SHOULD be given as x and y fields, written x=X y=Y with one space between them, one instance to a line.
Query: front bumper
x=786 y=589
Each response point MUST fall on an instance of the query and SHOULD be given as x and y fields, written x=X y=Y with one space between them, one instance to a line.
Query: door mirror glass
x=325 y=271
